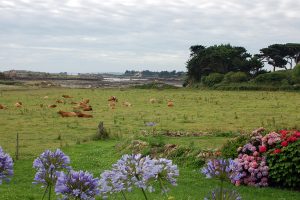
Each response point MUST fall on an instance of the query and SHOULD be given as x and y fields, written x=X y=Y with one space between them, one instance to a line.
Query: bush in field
x=296 y=74
x=212 y=79
x=229 y=149
x=235 y=77
x=273 y=159
x=273 y=77
x=284 y=160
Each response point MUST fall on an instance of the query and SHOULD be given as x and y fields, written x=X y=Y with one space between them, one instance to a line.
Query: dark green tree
x=219 y=59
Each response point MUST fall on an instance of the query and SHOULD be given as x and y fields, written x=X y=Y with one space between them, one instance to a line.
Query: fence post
x=17 y=147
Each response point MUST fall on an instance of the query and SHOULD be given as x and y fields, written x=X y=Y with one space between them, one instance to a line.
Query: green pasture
x=193 y=111
x=224 y=113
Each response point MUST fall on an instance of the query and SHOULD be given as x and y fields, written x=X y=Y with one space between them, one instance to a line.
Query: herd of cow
x=83 y=105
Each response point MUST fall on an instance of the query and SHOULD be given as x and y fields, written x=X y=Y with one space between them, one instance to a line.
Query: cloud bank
x=112 y=36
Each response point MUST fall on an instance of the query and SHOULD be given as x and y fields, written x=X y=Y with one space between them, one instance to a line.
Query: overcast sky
x=115 y=35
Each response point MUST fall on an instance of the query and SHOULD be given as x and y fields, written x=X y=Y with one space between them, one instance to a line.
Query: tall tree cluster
x=225 y=58
x=220 y=59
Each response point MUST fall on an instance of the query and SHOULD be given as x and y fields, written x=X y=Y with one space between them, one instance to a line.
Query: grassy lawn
x=98 y=156
x=193 y=111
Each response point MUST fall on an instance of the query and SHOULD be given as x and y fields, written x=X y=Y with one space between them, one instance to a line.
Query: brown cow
x=18 y=104
x=2 y=107
x=67 y=114
x=87 y=108
x=52 y=106
x=113 y=98
x=152 y=100
x=60 y=101
x=66 y=96
x=85 y=101
x=127 y=104
x=83 y=115
x=170 y=103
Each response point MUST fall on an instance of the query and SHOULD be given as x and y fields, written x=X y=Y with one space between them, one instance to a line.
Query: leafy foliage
x=235 y=77
x=229 y=149
x=284 y=167
x=212 y=79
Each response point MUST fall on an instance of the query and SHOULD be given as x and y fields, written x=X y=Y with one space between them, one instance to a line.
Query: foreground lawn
x=98 y=156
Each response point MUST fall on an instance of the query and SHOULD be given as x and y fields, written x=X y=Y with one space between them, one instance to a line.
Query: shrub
x=284 y=160
x=273 y=77
x=229 y=149
x=296 y=74
x=235 y=77
x=212 y=79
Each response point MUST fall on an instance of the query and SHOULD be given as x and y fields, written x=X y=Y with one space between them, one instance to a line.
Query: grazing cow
x=67 y=114
x=52 y=106
x=2 y=107
x=18 y=104
x=66 y=96
x=170 y=103
x=127 y=104
x=59 y=101
x=113 y=99
x=84 y=115
x=152 y=100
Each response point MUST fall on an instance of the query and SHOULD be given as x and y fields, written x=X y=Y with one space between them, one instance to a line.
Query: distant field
x=193 y=111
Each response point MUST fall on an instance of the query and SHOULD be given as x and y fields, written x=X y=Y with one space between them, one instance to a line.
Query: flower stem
x=123 y=195
x=162 y=187
x=49 y=197
x=221 y=192
x=45 y=192
x=144 y=193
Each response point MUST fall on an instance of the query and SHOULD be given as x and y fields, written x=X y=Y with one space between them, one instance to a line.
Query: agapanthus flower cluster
x=77 y=185
x=6 y=166
x=222 y=169
x=137 y=171
x=47 y=164
x=218 y=194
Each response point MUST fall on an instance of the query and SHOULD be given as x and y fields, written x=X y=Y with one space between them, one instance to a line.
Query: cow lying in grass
x=19 y=104
x=2 y=107
x=67 y=114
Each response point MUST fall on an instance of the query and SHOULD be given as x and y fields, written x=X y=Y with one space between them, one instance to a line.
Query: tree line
x=225 y=58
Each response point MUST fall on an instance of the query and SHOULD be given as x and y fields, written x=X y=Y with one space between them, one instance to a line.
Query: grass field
x=193 y=111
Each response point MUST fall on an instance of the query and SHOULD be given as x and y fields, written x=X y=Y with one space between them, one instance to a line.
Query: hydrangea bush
x=6 y=166
x=270 y=159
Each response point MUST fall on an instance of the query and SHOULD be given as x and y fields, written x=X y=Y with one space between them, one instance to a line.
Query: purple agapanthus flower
x=137 y=169
x=6 y=166
x=77 y=185
x=113 y=181
x=47 y=164
x=222 y=169
x=166 y=170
